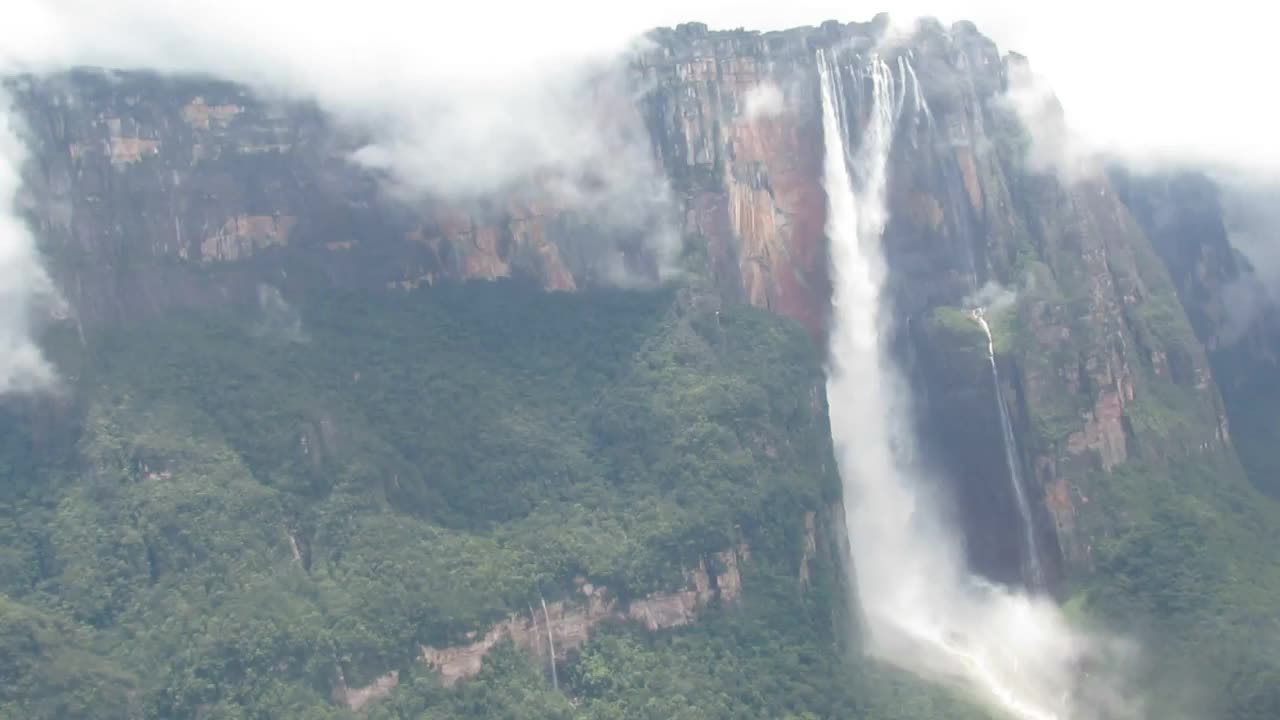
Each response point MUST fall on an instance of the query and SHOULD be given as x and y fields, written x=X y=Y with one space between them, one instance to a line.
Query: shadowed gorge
x=775 y=375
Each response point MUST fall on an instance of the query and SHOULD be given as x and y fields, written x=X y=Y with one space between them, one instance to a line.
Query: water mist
x=924 y=611
x=24 y=284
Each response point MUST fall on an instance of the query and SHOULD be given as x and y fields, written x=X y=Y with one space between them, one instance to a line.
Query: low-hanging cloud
x=1053 y=147
x=1252 y=219
x=24 y=285
x=458 y=103
x=991 y=297
x=461 y=104
x=764 y=100
x=1176 y=86
x=1183 y=84
x=1253 y=224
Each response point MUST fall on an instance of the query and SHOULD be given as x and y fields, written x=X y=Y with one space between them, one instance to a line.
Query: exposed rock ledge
x=357 y=698
x=567 y=624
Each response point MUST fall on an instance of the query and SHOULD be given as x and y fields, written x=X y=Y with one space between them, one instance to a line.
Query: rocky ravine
x=151 y=193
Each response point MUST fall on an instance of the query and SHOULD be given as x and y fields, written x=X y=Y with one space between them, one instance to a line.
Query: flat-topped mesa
x=228 y=190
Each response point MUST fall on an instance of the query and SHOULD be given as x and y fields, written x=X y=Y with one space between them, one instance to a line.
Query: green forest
x=223 y=510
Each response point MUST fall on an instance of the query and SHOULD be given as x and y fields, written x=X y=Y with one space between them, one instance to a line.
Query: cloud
x=24 y=285
x=459 y=102
x=992 y=297
x=764 y=100
x=1253 y=228
x=1178 y=85
x=1053 y=146
x=1181 y=85
x=1253 y=225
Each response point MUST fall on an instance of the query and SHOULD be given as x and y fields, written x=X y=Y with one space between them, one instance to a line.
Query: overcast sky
x=1172 y=81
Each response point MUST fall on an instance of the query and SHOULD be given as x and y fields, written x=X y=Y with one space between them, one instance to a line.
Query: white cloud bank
x=1054 y=146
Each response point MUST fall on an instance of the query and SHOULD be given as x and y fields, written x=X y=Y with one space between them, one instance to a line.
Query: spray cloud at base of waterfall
x=923 y=610
x=1053 y=147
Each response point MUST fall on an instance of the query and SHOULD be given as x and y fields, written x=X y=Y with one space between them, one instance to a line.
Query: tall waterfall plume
x=923 y=610
x=1034 y=571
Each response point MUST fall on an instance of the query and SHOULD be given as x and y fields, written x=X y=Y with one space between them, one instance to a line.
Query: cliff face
x=1101 y=363
x=150 y=194
x=1190 y=221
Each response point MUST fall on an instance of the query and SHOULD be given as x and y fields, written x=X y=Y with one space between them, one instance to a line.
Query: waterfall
x=551 y=643
x=1034 y=572
x=921 y=105
x=923 y=610
x=862 y=381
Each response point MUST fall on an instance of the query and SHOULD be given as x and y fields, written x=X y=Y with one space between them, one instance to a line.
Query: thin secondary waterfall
x=1030 y=549
x=923 y=610
x=551 y=644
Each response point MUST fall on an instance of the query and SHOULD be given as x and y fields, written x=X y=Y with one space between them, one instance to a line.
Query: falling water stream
x=1030 y=549
x=924 y=611
x=551 y=642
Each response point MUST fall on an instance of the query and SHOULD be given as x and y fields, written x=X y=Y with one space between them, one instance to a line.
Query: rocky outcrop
x=564 y=625
x=243 y=235
x=357 y=698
